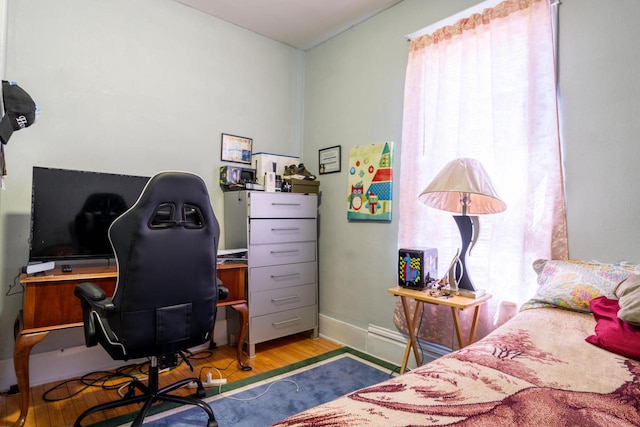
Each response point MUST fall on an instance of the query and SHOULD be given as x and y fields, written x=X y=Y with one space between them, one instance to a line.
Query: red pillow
x=611 y=333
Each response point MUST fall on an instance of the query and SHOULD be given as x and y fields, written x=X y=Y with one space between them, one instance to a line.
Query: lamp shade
x=463 y=186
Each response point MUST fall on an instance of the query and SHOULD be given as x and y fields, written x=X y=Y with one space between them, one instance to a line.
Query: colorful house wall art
x=370 y=182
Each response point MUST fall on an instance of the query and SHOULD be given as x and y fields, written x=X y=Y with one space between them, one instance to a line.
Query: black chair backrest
x=165 y=247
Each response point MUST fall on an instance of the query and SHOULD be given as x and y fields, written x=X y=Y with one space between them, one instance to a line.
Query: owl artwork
x=370 y=185
x=356 y=196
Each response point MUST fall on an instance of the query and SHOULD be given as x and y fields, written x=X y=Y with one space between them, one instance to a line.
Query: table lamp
x=463 y=187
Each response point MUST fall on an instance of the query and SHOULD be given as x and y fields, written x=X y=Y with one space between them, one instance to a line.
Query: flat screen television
x=71 y=212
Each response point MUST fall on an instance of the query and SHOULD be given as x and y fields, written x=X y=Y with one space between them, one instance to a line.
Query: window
x=484 y=87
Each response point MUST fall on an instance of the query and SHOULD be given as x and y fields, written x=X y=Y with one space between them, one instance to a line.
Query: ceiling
x=302 y=24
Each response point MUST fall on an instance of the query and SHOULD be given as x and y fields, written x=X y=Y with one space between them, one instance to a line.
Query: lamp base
x=477 y=293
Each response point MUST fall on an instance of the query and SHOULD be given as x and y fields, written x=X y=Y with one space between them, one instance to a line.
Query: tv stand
x=49 y=305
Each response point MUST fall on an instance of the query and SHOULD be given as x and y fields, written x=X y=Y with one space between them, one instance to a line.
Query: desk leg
x=412 y=324
x=24 y=344
x=244 y=312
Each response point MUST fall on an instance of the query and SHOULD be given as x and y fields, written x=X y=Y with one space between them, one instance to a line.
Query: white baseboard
x=77 y=361
x=380 y=342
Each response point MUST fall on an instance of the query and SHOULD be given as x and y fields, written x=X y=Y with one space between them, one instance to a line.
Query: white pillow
x=572 y=284
x=628 y=293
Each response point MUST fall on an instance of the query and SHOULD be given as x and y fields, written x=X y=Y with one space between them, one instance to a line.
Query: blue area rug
x=283 y=392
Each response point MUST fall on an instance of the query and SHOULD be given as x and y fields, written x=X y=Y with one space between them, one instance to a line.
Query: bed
x=569 y=357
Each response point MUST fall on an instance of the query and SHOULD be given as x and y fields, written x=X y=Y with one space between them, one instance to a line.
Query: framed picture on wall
x=329 y=159
x=236 y=149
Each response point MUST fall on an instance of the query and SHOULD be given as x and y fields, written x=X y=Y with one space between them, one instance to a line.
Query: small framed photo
x=329 y=159
x=236 y=149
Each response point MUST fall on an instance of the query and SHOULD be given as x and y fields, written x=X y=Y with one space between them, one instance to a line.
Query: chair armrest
x=223 y=292
x=93 y=299
x=94 y=296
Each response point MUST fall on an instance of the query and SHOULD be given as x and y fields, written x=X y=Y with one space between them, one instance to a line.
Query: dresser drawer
x=282 y=276
x=275 y=300
x=282 y=230
x=281 y=253
x=282 y=205
x=284 y=323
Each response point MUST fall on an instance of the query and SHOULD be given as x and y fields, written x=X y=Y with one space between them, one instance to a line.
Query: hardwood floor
x=270 y=355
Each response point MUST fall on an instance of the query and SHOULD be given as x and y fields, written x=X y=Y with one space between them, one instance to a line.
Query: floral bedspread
x=536 y=370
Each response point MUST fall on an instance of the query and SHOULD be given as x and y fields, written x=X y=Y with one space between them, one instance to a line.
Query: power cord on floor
x=126 y=373
x=396 y=371
x=208 y=380
x=418 y=334
x=261 y=394
x=217 y=368
x=105 y=380
x=89 y=380
x=222 y=381
x=201 y=355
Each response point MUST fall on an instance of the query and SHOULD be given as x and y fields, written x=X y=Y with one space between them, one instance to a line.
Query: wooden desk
x=456 y=303
x=49 y=305
x=234 y=277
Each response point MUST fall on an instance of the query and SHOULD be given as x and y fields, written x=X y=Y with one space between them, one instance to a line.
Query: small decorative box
x=417 y=267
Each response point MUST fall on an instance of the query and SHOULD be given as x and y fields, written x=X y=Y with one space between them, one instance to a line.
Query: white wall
x=354 y=94
x=134 y=87
x=599 y=69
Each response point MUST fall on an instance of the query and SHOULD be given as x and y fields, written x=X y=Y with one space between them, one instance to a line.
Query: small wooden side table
x=456 y=303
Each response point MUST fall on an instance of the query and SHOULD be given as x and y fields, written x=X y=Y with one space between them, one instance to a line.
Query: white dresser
x=280 y=232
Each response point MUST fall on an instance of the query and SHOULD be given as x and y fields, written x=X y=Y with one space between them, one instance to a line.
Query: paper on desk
x=228 y=252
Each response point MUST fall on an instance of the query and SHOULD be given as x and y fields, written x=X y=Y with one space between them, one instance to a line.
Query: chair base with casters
x=151 y=394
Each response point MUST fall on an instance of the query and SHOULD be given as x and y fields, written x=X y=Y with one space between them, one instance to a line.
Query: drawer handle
x=285 y=204
x=284 y=322
x=284 y=276
x=278 y=300
x=286 y=229
x=284 y=252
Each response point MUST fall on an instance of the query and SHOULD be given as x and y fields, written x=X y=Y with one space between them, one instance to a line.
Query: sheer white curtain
x=485 y=88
